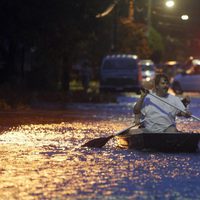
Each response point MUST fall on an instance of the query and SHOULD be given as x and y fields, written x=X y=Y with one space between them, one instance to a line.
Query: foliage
x=156 y=45
x=132 y=39
x=49 y=36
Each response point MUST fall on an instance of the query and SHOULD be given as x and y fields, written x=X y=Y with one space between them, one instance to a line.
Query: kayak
x=164 y=142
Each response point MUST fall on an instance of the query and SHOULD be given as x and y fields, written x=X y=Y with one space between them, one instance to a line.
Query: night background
x=48 y=112
x=43 y=42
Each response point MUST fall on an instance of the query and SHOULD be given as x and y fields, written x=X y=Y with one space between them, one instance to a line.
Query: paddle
x=100 y=142
x=171 y=105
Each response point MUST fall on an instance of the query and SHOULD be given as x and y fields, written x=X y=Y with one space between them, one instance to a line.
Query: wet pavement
x=42 y=158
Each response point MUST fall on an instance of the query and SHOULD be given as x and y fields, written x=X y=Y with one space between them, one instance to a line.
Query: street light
x=109 y=9
x=169 y=3
x=184 y=17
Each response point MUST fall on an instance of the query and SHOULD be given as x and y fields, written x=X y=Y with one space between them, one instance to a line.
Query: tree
x=132 y=39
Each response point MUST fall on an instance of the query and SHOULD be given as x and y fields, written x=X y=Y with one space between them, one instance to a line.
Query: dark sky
x=189 y=7
x=169 y=19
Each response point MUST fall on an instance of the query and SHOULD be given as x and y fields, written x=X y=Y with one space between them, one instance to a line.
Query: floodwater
x=42 y=158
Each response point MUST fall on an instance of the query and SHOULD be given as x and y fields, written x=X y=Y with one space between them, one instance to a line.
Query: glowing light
x=169 y=3
x=148 y=78
x=196 y=62
x=184 y=17
x=147 y=73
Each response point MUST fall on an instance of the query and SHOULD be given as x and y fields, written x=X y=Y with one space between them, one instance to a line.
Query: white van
x=120 y=73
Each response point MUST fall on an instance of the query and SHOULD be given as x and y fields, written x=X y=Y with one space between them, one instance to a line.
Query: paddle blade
x=98 y=142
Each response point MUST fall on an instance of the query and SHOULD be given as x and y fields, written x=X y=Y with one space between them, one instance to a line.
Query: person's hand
x=186 y=101
x=187 y=114
x=143 y=92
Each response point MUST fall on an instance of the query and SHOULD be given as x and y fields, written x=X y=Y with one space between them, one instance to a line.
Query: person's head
x=161 y=84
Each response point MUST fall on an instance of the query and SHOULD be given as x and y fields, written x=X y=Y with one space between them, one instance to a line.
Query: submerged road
x=41 y=157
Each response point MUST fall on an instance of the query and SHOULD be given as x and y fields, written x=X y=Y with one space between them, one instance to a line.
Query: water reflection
x=45 y=161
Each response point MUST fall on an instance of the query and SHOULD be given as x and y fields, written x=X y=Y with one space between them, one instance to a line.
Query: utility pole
x=149 y=16
x=131 y=10
x=114 y=30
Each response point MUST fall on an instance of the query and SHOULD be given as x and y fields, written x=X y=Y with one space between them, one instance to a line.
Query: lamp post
x=112 y=8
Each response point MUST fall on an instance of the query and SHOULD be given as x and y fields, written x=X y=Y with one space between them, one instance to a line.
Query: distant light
x=196 y=62
x=147 y=73
x=171 y=62
x=135 y=56
x=147 y=63
x=148 y=78
x=184 y=17
x=191 y=57
x=169 y=3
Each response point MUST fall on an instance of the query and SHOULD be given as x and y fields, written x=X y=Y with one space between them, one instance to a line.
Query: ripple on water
x=45 y=161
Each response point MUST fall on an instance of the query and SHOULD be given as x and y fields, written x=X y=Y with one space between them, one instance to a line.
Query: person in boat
x=157 y=115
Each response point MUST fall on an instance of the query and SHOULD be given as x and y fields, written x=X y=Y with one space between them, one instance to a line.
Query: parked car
x=188 y=81
x=120 y=73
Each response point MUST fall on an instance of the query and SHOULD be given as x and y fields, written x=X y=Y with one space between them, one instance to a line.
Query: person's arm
x=138 y=106
x=186 y=101
x=137 y=119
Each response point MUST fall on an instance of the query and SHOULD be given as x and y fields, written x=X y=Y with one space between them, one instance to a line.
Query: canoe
x=164 y=142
